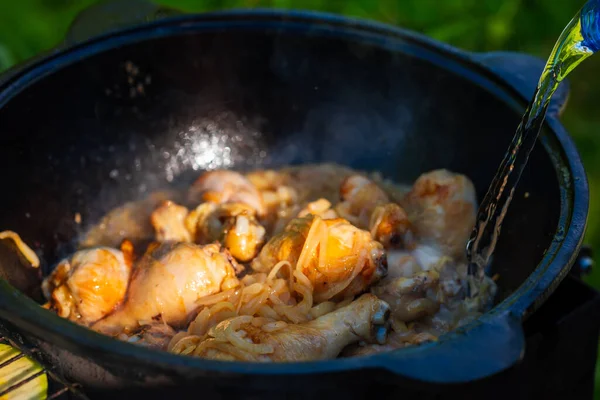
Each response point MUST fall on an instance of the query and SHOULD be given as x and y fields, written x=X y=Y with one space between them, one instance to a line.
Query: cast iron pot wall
x=82 y=131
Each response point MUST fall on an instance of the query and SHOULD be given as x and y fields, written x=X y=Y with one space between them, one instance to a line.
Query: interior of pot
x=117 y=125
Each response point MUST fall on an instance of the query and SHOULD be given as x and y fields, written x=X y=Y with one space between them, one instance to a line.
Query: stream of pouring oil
x=579 y=40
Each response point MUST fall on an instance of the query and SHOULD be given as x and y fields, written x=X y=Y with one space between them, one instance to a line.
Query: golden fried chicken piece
x=224 y=186
x=233 y=224
x=367 y=206
x=166 y=283
x=130 y=221
x=248 y=339
x=318 y=180
x=267 y=179
x=274 y=188
x=288 y=192
x=243 y=237
x=280 y=199
x=168 y=221
x=89 y=285
x=359 y=197
x=441 y=207
x=390 y=226
x=338 y=259
x=285 y=246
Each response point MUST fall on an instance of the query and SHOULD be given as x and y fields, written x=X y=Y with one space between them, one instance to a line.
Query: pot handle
x=494 y=344
x=110 y=15
x=584 y=262
x=522 y=72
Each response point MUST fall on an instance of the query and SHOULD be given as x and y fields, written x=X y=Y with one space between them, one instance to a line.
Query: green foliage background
x=28 y=27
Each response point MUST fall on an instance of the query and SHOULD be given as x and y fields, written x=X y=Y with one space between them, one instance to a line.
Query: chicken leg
x=88 y=285
x=365 y=319
x=166 y=284
x=441 y=206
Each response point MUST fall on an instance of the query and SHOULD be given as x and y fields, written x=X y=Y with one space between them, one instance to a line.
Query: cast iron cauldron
x=110 y=118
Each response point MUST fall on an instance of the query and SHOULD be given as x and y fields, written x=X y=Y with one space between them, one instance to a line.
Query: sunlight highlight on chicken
x=89 y=285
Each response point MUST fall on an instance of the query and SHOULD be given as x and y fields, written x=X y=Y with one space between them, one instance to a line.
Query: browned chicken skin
x=89 y=285
x=233 y=224
x=130 y=221
x=167 y=282
x=367 y=206
x=441 y=207
x=228 y=206
x=338 y=259
x=168 y=221
x=223 y=186
x=360 y=196
x=365 y=319
x=390 y=226
x=289 y=192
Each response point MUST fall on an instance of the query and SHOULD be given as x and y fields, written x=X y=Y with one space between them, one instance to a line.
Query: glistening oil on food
x=309 y=262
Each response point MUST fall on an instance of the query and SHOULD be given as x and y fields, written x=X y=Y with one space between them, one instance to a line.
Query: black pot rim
x=27 y=315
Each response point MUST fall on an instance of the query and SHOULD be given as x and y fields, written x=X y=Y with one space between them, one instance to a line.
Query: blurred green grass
x=28 y=27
